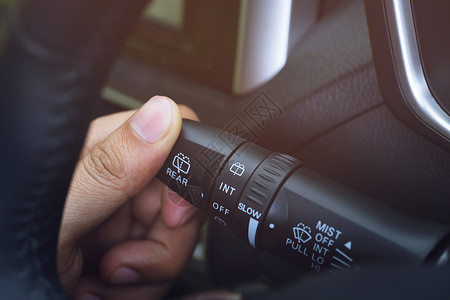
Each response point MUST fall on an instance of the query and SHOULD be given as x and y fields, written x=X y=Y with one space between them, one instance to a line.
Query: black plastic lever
x=276 y=204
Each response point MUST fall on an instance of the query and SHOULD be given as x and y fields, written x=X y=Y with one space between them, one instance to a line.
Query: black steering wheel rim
x=55 y=58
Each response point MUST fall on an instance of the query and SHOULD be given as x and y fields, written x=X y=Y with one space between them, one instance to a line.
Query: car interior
x=358 y=91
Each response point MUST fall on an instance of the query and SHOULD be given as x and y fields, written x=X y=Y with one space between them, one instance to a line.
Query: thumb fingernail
x=152 y=121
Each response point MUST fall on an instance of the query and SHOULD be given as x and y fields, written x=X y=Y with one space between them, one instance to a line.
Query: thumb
x=120 y=166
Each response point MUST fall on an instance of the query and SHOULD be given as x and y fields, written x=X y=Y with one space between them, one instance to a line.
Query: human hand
x=124 y=235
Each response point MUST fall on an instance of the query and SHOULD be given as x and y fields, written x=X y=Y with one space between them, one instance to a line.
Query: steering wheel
x=52 y=67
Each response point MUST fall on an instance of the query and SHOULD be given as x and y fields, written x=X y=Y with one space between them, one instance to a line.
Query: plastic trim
x=409 y=70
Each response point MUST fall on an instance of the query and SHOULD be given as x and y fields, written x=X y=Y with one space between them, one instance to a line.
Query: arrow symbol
x=348 y=245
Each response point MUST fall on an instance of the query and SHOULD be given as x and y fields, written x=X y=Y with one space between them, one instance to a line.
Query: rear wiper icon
x=182 y=163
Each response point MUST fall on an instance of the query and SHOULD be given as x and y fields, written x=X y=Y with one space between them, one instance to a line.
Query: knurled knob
x=261 y=189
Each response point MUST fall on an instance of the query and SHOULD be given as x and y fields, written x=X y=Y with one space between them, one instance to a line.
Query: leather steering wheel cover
x=49 y=82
